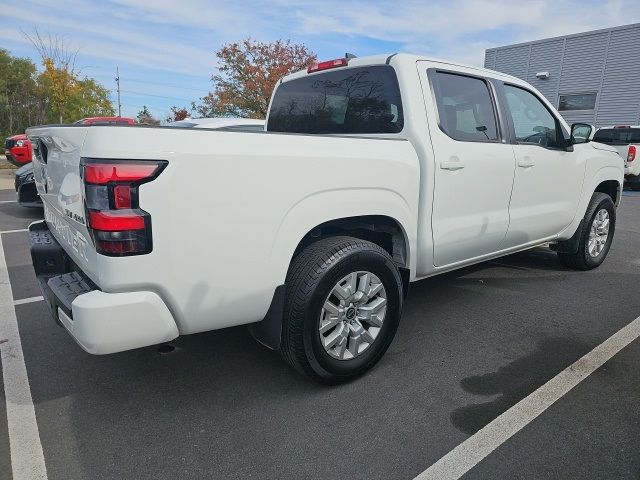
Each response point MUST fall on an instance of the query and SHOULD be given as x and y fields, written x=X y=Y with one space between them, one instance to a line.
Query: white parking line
x=22 y=301
x=16 y=231
x=473 y=450
x=27 y=459
x=8 y=201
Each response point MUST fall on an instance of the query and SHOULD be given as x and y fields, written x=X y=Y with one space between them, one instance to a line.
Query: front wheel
x=342 y=308
x=596 y=234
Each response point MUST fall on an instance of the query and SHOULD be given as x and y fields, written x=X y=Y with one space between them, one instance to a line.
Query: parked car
x=398 y=168
x=626 y=140
x=224 y=123
x=25 y=186
x=18 y=150
x=106 y=121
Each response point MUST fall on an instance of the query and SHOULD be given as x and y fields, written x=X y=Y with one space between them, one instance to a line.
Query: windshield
x=354 y=100
x=617 y=136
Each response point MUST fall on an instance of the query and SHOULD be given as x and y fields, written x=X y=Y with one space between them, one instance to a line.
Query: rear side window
x=354 y=100
x=617 y=136
x=465 y=107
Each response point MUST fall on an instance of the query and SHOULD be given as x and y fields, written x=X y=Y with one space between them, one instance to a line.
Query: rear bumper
x=28 y=195
x=99 y=322
x=18 y=159
x=630 y=178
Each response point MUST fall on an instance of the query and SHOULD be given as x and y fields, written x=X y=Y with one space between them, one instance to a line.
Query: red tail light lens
x=117 y=221
x=338 y=62
x=631 y=154
x=118 y=226
x=103 y=173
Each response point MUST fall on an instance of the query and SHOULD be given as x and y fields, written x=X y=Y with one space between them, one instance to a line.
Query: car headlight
x=29 y=178
x=20 y=143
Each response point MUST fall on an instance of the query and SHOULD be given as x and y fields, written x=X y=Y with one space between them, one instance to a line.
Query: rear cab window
x=359 y=100
x=617 y=136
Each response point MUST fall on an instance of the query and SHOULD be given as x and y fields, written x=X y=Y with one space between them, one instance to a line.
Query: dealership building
x=591 y=77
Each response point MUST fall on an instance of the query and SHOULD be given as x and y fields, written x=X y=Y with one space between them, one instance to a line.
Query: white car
x=373 y=172
x=626 y=140
x=225 y=123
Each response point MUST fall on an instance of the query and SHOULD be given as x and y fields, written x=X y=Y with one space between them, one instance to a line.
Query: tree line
x=57 y=93
x=247 y=73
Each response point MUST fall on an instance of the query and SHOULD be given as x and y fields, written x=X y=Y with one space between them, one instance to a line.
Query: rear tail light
x=631 y=154
x=338 y=62
x=117 y=224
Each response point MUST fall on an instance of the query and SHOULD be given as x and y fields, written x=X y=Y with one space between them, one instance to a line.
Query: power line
x=156 y=96
x=162 y=84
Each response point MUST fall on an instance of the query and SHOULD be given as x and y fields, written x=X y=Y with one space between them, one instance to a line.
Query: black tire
x=582 y=260
x=311 y=277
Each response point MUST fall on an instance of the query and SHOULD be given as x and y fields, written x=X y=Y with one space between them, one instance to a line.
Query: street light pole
x=118 y=83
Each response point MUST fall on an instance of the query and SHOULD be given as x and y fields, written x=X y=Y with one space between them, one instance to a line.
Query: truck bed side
x=228 y=210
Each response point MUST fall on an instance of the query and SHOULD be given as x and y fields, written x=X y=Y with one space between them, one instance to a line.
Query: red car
x=18 y=150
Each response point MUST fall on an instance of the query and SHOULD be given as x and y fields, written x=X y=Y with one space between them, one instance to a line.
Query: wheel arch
x=377 y=215
x=606 y=180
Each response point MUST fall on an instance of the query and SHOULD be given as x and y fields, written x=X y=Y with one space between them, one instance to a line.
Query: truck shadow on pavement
x=515 y=381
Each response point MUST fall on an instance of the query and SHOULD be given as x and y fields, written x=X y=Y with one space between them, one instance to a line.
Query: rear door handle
x=451 y=165
x=526 y=162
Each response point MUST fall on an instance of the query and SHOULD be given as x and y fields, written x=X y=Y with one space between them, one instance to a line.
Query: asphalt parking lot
x=471 y=345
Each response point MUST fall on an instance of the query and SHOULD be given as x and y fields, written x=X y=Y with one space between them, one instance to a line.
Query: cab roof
x=399 y=58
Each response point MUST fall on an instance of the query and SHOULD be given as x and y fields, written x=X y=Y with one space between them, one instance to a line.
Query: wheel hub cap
x=599 y=233
x=352 y=315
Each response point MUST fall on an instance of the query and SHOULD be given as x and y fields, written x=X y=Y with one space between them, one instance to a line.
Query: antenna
x=118 y=83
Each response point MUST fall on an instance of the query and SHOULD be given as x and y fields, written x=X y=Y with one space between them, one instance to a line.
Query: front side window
x=579 y=101
x=353 y=100
x=532 y=121
x=465 y=108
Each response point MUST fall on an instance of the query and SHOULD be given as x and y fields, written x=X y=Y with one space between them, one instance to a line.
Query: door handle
x=526 y=162
x=451 y=165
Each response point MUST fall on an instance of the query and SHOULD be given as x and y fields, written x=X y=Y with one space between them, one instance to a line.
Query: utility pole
x=118 y=83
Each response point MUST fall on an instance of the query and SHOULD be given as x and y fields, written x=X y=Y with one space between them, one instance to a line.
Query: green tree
x=69 y=96
x=248 y=72
x=144 y=116
x=22 y=100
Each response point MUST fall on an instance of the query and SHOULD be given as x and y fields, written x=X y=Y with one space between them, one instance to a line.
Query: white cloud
x=180 y=37
x=448 y=28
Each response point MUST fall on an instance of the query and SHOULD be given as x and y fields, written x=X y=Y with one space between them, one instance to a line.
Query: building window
x=577 y=101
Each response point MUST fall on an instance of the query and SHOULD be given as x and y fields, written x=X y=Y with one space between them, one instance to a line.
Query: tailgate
x=56 y=166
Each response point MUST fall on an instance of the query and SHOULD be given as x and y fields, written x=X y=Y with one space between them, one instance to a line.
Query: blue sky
x=165 y=49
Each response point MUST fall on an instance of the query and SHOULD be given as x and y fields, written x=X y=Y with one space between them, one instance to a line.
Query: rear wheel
x=342 y=307
x=595 y=236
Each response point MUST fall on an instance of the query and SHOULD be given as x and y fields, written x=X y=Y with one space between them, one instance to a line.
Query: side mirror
x=581 y=133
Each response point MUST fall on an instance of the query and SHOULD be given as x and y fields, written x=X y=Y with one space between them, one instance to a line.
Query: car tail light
x=631 y=154
x=338 y=62
x=117 y=224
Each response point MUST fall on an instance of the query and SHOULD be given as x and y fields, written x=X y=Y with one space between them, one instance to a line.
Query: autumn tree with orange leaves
x=247 y=73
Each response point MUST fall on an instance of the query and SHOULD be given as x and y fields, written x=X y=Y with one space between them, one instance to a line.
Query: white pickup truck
x=372 y=173
x=626 y=140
